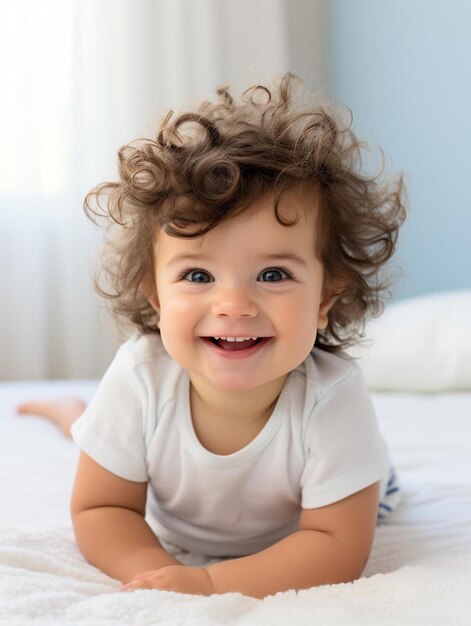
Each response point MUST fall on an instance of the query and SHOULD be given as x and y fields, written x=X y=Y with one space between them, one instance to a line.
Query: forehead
x=255 y=227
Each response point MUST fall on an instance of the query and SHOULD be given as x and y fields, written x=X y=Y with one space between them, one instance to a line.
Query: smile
x=242 y=346
x=234 y=338
x=235 y=343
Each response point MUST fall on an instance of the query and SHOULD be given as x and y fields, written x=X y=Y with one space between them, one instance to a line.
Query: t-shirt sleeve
x=110 y=430
x=345 y=451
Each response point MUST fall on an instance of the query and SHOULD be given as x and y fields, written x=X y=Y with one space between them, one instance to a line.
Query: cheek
x=301 y=311
x=299 y=319
x=172 y=302
x=176 y=312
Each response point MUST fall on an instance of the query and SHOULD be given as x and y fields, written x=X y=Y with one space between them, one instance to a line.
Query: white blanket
x=419 y=571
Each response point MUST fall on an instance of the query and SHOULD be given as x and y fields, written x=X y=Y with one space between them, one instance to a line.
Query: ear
x=323 y=316
x=148 y=289
x=329 y=297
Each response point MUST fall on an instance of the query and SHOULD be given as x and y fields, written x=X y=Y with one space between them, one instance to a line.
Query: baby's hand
x=179 y=578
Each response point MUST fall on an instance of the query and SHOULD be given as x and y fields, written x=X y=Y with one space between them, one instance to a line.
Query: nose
x=234 y=302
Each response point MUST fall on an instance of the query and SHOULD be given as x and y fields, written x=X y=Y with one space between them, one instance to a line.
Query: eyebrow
x=285 y=256
x=277 y=256
x=186 y=256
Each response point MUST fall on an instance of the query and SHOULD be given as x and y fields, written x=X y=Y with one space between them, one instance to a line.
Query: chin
x=231 y=384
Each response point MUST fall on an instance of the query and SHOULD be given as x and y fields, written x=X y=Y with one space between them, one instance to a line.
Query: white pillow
x=420 y=344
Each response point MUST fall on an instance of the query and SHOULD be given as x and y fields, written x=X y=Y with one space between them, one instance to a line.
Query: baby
x=245 y=248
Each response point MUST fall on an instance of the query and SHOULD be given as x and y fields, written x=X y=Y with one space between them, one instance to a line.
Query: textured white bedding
x=419 y=571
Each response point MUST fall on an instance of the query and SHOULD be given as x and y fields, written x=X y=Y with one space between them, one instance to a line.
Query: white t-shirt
x=320 y=445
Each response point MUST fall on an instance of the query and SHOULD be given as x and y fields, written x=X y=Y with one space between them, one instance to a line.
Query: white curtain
x=78 y=79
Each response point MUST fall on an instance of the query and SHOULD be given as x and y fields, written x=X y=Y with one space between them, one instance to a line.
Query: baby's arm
x=110 y=529
x=332 y=545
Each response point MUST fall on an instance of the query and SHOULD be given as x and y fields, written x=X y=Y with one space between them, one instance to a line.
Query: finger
x=143 y=576
x=132 y=586
x=144 y=580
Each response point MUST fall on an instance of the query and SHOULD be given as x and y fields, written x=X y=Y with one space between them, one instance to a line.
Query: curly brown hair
x=211 y=163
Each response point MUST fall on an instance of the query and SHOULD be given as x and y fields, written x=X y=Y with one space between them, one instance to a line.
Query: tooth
x=236 y=339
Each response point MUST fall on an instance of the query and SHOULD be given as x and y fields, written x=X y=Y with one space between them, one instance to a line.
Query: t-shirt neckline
x=247 y=452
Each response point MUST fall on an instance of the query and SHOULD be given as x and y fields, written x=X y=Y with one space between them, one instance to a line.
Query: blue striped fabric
x=391 y=498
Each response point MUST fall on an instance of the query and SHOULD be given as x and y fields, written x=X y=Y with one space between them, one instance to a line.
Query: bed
x=419 y=571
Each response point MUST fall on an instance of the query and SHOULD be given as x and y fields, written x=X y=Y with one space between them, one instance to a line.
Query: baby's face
x=240 y=306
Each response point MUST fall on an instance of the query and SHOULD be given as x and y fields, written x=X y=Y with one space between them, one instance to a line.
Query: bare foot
x=63 y=411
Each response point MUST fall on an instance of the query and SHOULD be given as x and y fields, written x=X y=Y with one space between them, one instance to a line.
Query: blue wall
x=404 y=68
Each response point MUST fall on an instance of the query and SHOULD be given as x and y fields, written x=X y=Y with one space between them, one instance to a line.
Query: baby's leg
x=63 y=411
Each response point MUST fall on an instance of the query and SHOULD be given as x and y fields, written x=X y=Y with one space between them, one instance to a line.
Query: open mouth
x=235 y=344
